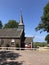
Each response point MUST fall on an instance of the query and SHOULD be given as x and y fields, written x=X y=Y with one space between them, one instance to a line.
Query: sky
x=32 y=10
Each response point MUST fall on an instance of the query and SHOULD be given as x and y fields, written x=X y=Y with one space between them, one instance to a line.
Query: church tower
x=21 y=24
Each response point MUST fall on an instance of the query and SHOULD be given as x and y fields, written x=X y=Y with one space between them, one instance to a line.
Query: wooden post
x=31 y=44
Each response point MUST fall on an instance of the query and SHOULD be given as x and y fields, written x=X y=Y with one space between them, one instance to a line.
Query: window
x=2 y=41
x=12 y=42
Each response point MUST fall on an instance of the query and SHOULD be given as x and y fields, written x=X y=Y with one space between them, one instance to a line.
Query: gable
x=28 y=39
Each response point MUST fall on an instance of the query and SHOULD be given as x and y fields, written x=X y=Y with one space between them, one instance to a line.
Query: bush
x=17 y=46
x=39 y=44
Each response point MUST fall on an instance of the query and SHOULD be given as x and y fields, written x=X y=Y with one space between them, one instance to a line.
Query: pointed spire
x=21 y=19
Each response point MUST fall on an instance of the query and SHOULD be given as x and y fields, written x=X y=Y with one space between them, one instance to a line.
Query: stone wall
x=8 y=42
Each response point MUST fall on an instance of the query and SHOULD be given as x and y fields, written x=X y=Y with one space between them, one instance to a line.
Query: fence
x=14 y=48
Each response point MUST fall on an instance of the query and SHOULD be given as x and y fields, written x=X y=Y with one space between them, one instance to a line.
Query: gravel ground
x=30 y=57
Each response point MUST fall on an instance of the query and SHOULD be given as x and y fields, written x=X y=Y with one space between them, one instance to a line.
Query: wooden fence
x=14 y=48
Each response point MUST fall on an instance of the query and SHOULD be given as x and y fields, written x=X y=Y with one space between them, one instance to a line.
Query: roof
x=28 y=39
x=10 y=33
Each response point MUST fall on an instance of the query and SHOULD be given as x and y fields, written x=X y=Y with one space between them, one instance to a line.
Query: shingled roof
x=10 y=33
x=28 y=39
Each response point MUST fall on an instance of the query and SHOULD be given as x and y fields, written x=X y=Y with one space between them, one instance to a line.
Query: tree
x=47 y=38
x=44 y=24
x=11 y=24
x=1 y=25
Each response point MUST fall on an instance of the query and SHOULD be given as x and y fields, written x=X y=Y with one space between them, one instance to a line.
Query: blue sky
x=32 y=10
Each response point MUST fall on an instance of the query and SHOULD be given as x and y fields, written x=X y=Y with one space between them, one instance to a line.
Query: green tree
x=11 y=24
x=1 y=25
x=44 y=24
x=47 y=38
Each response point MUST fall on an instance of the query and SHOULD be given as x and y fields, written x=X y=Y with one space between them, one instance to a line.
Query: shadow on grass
x=5 y=55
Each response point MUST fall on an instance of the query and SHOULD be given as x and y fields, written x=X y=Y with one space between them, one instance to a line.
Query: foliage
x=44 y=24
x=1 y=25
x=11 y=24
x=39 y=44
x=17 y=45
x=47 y=38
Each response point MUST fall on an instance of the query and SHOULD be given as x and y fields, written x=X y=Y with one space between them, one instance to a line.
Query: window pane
x=2 y=41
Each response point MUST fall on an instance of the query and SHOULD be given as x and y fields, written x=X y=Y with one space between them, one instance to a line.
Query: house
x=28 y=42
x=14 y=37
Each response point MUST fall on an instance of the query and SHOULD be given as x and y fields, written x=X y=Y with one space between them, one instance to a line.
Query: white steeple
x=21 y=19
